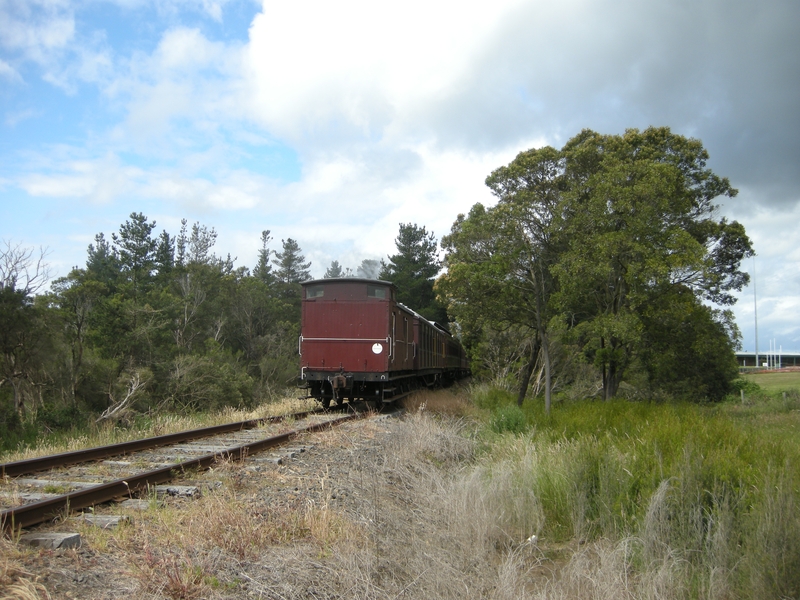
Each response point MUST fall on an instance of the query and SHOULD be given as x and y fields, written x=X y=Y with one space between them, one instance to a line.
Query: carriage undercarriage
x=336 y=388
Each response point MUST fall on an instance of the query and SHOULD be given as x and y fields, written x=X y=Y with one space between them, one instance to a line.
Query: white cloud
x=776 y=267
x=398 y=113
x=8 y=72
x=97 y=182
x=358 y=64
x=36 y=28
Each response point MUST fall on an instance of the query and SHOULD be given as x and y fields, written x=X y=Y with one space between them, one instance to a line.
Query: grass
x=162 y=424
x=774 y=382
x=701 y=498
x=470 y=497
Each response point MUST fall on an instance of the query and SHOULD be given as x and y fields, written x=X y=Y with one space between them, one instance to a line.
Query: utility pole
x=755 y=307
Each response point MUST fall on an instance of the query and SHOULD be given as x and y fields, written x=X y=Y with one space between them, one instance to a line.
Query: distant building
x=786 y=359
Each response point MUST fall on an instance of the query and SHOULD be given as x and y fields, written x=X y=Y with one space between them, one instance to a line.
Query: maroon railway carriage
x=357 y=341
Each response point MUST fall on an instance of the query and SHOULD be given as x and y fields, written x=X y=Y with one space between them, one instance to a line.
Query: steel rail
x=38 y=512
x=43 y=463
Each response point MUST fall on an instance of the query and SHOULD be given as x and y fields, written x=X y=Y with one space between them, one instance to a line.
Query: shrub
x=508 y=418
x=492 y=398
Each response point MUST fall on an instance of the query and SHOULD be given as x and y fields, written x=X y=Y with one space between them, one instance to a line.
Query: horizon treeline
x=156 y=323
x=602 y=270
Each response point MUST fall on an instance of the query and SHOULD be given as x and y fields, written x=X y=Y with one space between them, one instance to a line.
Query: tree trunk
x=527 y=372
x=19 y=401
x=548 y=384
x=611 y=384
x=605 y=371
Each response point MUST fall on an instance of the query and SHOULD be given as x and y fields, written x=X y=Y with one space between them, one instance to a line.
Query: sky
x=334 y=122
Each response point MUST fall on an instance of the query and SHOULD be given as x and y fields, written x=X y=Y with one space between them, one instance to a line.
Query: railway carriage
x=357 y=341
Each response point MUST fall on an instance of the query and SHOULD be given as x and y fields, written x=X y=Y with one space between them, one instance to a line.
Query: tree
x=102 y=263
x=499 y=261
x=165 y=255
x=200 y=243
x=413 y=270
x=369 y=268
x=263 y=270
x=335 y=270
x=136 y=249
x=21 y=270
x=638 y=211
x=588 y=237
x=683 y=335
x=290 y=263
x=22 y=335
x=76 y=297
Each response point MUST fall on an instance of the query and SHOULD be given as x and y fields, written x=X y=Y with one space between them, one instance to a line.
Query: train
x=357 y=342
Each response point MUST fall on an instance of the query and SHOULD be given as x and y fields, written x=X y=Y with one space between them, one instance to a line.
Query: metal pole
x=755 y=307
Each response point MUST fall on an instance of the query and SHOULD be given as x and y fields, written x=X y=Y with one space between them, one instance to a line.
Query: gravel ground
x=345 y=515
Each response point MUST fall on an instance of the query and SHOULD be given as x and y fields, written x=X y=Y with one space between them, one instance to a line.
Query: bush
x=60 y=417
x=508 y=418
x=210 y=381
x=13 y=431
x=492 y=398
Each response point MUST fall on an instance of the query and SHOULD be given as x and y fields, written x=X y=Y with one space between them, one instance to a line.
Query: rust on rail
x=39 y=512
x=43 y=463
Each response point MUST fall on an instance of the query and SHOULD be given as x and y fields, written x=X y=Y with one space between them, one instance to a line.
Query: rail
x=44 y=510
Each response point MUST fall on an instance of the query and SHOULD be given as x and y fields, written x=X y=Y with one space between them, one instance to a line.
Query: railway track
x=40 y=489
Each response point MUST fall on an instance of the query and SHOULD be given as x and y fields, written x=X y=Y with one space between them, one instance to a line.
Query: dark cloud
x=725 y=72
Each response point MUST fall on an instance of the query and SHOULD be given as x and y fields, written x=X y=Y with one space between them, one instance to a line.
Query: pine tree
x=369 y=268
x=335 y=270
x=413 y=270
x=290 y=263
x=263 y=270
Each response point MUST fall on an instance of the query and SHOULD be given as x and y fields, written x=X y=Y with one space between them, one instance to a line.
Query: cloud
x=393 y=114
x=453 y=74
x=36 y=28
x=8 y=72
x=356 y=66
x=98 y=182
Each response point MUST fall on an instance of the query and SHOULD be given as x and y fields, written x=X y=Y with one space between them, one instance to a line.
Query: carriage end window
x=374 y=291
x=316 y=291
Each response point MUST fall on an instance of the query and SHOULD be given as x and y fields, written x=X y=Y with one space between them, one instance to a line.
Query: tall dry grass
x=663 y=501
x=150 y=426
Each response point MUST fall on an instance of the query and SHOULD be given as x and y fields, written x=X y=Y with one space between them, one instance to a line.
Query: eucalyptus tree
x=499 y=260
x=589 y=237
x=638 y=211
x=23 y=335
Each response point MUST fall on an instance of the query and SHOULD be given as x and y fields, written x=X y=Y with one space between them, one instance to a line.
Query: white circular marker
x=377 y=348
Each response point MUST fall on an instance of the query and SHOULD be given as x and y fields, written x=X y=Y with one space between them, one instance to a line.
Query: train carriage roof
x=346 y=280
x=330 y=280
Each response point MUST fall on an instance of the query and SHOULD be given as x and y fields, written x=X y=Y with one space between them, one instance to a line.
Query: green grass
x=715 y=488
x=775 y=382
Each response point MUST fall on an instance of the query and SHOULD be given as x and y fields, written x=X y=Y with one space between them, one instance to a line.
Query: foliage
x=682 y=335
x=369 y=269
x=153 y=321
x=335 y=270
x=708 y=487
x=509 y=419
x=413 y=270
x=290 y=263
x=209 y=381
x=587 y=243
x=263 y=268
